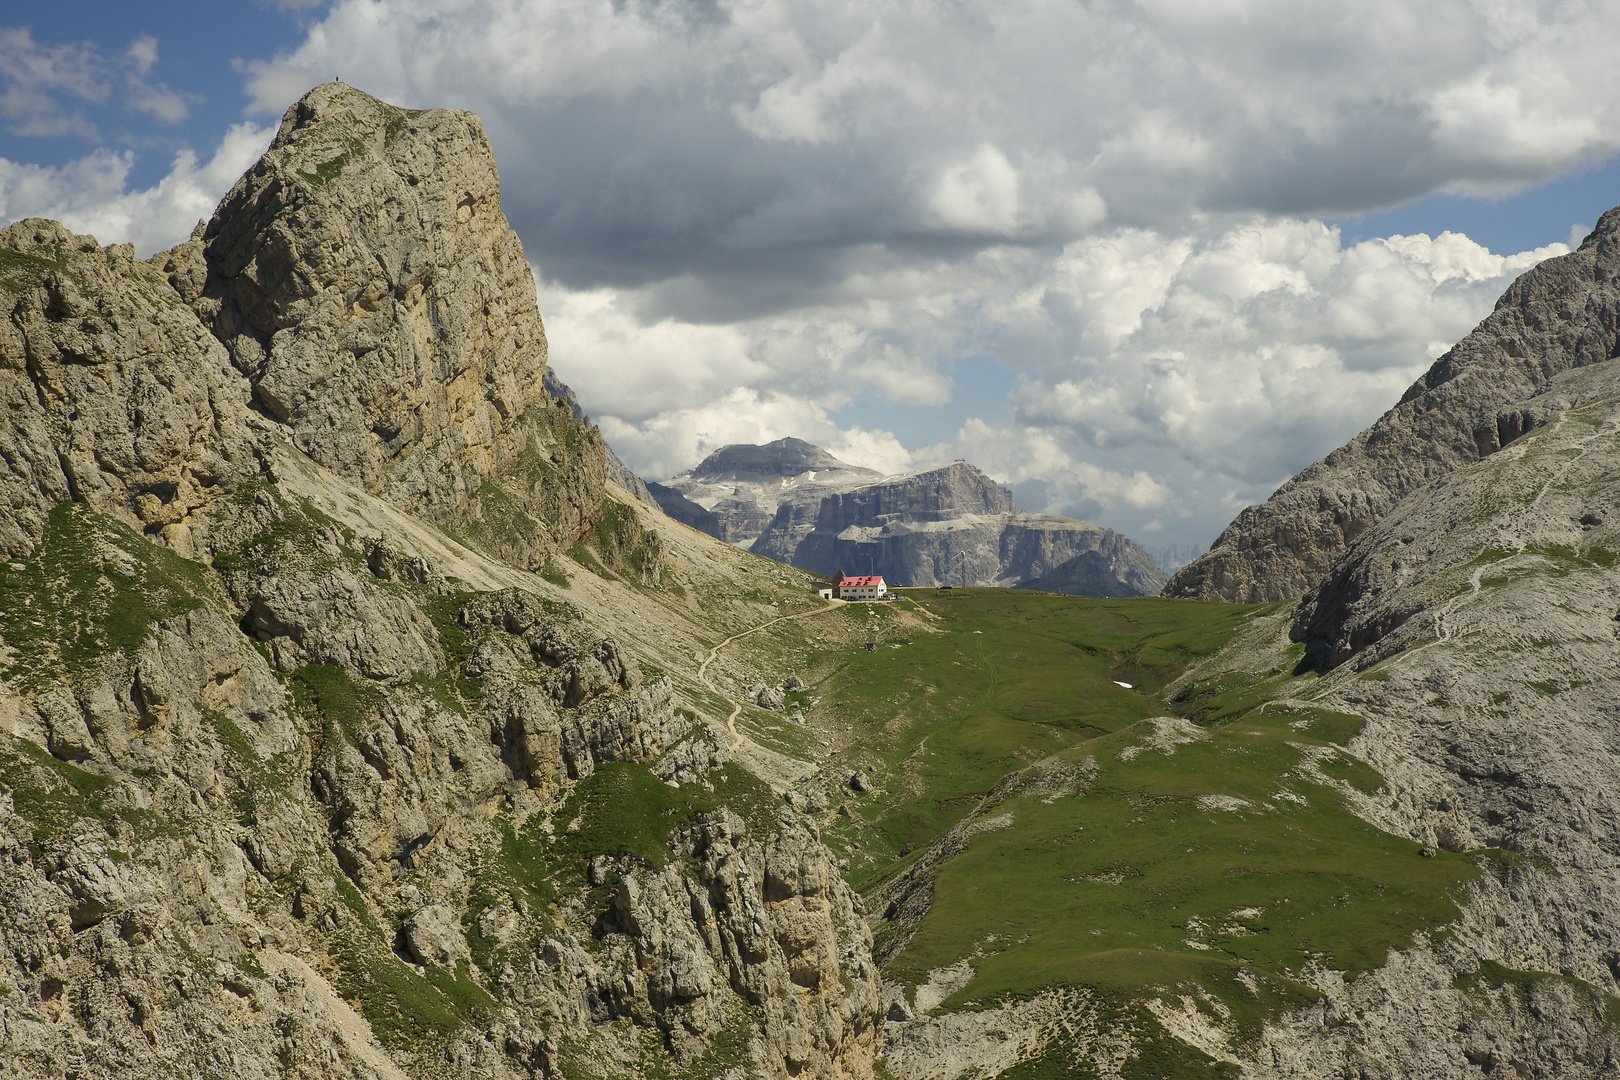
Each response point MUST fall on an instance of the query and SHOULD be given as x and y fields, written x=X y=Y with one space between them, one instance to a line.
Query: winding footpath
x=714 y=653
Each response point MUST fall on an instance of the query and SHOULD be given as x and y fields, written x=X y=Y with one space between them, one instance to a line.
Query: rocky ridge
x=1474 y=628
x=302 y=770
x=617 y=471
x=685 y=511
x=1481 y=395
x=956 y=526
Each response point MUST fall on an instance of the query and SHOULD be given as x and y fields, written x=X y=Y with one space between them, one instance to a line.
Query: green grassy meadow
x=996 y=680
x=1221 y=860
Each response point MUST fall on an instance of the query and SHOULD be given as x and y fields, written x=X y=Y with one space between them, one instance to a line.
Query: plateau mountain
x=745 y=485
x=956 y=526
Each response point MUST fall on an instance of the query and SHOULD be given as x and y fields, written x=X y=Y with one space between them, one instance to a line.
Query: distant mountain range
x=744 y=486
x=794 y=502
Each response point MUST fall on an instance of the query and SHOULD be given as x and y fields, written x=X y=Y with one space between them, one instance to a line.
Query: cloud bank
x=1167 y=380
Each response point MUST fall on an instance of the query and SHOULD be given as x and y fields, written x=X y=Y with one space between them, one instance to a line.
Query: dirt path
x=920 y=608
x=714 y=653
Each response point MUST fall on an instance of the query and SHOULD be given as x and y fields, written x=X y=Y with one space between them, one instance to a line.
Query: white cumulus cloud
x=89 y=195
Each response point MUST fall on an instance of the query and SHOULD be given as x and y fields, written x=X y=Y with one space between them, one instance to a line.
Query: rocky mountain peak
x=735 y=491
x=363 y=278
x=784 y=457
x=1480 y=396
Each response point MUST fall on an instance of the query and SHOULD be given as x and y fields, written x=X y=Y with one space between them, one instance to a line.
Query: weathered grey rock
x=1562 y=314
x=1473 y=627
x=694 y=755
x=114 y=394
x=767 y=697
x=767 y=919
x=387 y=562
x=434 y=936
x=339 y=618
x=364 y=279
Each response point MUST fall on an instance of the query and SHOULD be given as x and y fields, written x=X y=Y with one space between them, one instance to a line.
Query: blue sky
x=1142 y=261
x=199 y=46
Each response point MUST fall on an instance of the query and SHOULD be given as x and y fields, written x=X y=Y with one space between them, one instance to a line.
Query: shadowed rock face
x=1087 y=574
x=1560 y=315
x=952 y=526
x=685 y=511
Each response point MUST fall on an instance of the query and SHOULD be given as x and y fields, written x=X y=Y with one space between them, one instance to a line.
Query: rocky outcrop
x=395 y=798
x=954 y=526
x=1560 y=315
x=365 y=283
x=747 y=486
x=281 y=795
x=764 y=924
x=114 y=394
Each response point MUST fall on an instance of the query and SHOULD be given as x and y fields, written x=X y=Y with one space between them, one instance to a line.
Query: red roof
x=859 y=581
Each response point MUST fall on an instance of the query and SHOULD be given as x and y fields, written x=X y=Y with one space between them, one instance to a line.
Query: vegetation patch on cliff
x=94 y=587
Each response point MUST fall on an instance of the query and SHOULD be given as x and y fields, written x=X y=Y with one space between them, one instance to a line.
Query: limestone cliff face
x=935 y=495
x=280 y=793
x=955 y=526
x=1560 y=315
x=114 y=394
x=364 y=281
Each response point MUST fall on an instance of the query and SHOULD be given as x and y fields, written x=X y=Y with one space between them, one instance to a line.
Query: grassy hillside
x=1078 y=832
